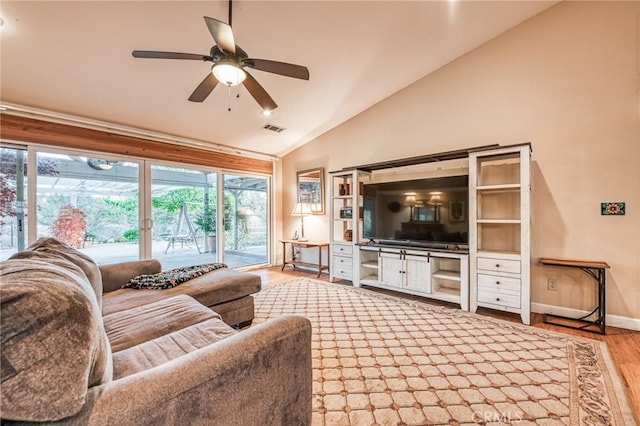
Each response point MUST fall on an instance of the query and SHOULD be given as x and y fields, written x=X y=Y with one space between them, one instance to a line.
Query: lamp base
x=303 y=239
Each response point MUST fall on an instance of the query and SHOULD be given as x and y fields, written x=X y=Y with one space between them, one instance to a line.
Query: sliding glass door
x=13 y=200
x=245 y=220
x=183 y=211
x=91 y=203
x=119 y=209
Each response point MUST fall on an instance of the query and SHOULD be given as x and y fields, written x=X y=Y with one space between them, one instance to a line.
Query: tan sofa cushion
x=52 y=340
x=213 y=288
x=169 y=347
x=146 y=322
x=54 y=251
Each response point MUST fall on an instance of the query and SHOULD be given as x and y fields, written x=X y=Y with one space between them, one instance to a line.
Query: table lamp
x=302 y=209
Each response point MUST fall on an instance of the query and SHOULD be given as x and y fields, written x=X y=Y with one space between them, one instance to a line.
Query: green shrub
x=130 y=234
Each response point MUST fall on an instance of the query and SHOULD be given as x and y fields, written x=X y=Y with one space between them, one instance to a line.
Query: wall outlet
x=552 y=285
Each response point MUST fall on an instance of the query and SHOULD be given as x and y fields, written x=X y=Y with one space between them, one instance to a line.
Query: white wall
x=567 y=80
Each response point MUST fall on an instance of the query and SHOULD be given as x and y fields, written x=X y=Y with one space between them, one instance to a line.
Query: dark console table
x=597 y=270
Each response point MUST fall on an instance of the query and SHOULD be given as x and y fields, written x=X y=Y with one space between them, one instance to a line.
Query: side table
x=293 y=243
x=597 y=270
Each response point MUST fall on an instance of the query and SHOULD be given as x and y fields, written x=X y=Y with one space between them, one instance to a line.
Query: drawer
x=342 y=262
x=342 y=267
x=498 y=284
x=499 y=265
x=342 y=249
x=499 y=299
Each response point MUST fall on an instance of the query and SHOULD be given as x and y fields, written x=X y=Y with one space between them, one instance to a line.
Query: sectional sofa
x=167 y=361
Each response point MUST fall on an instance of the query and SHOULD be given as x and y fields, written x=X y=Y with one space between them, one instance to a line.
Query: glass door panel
x=13 y=201
x=245 y=220
x=90 y=203
x=184 y=213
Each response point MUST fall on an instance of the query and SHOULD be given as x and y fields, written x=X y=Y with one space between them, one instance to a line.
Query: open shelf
x=373 y=264
x=446 y=275
x=369 y=279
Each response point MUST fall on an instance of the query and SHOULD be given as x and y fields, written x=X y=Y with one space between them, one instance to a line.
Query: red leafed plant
x=70 y=226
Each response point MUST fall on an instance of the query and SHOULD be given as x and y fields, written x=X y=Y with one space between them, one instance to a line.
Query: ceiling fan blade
x=168 y=55
x=259 y=94
x=204 y=89
x=282 y=68
x=222 y=34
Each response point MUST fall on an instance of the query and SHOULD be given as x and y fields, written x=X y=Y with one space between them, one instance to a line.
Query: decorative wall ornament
x=616 y=208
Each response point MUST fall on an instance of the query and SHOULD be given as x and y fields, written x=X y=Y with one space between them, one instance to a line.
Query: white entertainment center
x=488 y=267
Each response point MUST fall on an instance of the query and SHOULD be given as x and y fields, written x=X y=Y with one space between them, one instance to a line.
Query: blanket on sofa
x=171 y=278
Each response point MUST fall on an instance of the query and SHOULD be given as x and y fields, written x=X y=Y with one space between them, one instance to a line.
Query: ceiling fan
x=229 y=63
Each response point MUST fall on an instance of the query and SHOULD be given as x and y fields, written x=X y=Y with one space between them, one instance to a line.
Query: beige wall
x=567 y=80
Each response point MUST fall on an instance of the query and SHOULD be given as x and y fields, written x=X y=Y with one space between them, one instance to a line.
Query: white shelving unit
x=499 y=234
x=494 y=273
x=345 y=223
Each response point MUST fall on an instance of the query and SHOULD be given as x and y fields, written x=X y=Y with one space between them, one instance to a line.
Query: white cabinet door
x=418 y=274
x=391 y=270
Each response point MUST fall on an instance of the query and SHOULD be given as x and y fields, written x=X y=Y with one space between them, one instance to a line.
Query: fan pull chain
x=229 y=98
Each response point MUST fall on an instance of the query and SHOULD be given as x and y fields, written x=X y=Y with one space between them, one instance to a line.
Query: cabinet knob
x=497 y=265
x=497 y=299
x=497 y=282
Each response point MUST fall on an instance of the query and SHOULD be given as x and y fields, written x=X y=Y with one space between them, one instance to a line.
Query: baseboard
x=612 y=320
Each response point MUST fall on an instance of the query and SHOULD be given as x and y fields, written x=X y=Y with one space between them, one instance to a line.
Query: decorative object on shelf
x=311 y=189
x=348 y=235
x=612 y=208
x=346 y=212
x=344 y=189
x=301 y=209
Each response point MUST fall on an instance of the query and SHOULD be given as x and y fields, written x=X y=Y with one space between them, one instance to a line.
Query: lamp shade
x=301 y=209
x=410 y=200
x=229 y=73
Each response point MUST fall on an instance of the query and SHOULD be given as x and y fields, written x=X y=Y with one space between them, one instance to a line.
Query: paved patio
x=178 y=257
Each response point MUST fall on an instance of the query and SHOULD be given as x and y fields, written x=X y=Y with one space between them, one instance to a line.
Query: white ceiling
x=75 y=58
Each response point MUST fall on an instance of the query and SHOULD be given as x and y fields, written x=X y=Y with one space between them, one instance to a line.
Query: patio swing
x=185 y=238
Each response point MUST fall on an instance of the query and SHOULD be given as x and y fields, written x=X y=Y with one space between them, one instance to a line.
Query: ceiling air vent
x=273 y=128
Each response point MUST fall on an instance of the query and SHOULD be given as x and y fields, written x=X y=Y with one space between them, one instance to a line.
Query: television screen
x=422 y=211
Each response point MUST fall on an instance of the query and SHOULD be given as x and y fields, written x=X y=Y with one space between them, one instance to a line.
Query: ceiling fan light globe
x=228 y=73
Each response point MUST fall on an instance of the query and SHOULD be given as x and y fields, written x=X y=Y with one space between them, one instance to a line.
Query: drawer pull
x=497 y=282
x=497 y=265
x=497 y=299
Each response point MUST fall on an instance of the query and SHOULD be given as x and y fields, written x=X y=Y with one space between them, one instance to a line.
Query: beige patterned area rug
x=382 y=360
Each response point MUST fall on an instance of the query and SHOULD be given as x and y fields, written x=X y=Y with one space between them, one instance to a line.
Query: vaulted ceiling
x=74 y=58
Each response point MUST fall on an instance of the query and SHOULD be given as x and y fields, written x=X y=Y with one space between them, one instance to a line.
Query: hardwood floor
x=624 y=345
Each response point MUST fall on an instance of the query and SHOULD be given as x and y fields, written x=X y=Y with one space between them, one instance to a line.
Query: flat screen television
x=429 y=212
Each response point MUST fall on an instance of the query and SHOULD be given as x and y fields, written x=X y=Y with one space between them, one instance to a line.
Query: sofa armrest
x=259 y=376
x=115 y=275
